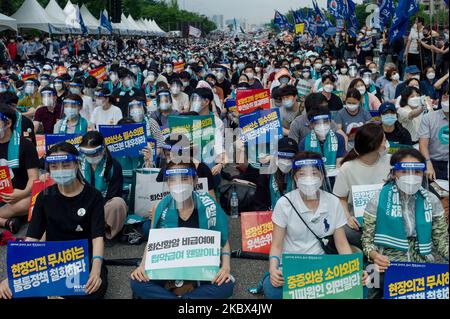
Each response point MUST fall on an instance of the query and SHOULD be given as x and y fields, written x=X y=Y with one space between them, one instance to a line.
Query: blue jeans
x=154 y=289
x=271 y=292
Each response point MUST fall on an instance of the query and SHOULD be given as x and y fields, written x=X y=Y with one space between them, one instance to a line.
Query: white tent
x=7 y=23
x=157 y=28
x=151 y=27
x=71 y=17
x=133 y=25
x=143 y=26
x=89 y=20
x=122 y=27
x=32 y=16
x=57 y=15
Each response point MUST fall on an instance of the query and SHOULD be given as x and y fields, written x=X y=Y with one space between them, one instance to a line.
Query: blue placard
x=125 y=139
x=261 y=126
x=230 y=103
x=52 y=139
x=406 y=280
x=42 y=269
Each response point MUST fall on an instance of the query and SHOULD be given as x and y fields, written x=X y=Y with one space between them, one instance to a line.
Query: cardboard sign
x=6 y=185
x=322 y=276
x=406 y=280
x=260 y=127
x=125 y=139
x=52 y=139
x=183 y=254
x=37 y=187
x=257 y=229
x=42 y=269
x=248 y=101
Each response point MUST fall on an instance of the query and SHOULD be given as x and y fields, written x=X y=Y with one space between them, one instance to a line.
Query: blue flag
x=281 y=20
x=386 y=11
x=400 y=22
x=350 y=16
x=297 y=17
x=334 y=7
x=84 y=29
x=104 y=21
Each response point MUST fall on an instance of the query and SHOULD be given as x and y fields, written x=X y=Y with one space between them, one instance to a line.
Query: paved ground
x=247 y=272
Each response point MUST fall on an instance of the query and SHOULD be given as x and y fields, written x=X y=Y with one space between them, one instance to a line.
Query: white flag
x=195 y=32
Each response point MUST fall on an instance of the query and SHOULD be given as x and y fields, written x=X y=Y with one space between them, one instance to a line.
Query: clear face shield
x=100 y=99
x=71 y=108
x=92 y=154
x=63 y=169
x=284 y=161
x=164 y=101
x=179 y=182
x=136 y=110
x=48 y=98
x=3 y=86
x=321 y=125
x=196 y=103
x=310 y=177
x=75 y=88
x=410 y=177
x=29 y=87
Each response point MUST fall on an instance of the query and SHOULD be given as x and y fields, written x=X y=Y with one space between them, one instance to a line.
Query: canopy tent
x=121 y=27
x=157 y=28
x=7 y=23
x=89 y=20
x=57 y=15
x=151 y=27
x=32 y=16
x=71 y=17
x=133 y=25
x=143 y=26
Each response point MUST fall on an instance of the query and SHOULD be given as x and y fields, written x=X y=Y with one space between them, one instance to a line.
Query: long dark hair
x=406 y=93
x=67 y=148
x=94 y=139
x=398 y=156
x=368 y=138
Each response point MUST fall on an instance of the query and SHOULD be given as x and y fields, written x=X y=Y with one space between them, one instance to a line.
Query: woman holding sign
x=185 y=208
x=104 y=173
x=69 y=210
x=404 y=220
x=73 y=122
x=307 y=209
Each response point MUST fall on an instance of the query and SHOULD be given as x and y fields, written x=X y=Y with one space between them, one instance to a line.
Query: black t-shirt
x=399 y=135
x=191 y=222
x=225 y=86
x=171 y=77
x=334 y=103
x=122 y=98
x=28 y=158
x=68 y=218
x=202 y=171
x=28 y=130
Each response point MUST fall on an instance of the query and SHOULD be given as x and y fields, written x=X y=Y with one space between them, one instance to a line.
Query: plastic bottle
x=234 y=205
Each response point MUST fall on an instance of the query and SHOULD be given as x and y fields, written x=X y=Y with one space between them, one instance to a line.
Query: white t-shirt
x=109 y=117
x=414 y=35
x=299 y=239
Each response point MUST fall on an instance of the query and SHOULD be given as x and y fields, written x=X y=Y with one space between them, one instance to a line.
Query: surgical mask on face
x=75 y=90
x=94 y=160
x=444 y=105
x=409 y=184
x=175 y=90
x=306 y=75
x=322 y=131
x=164 y=106
x=29 y=90
x=257 y=69
x=414 y=102
x=328 y=88
x=344 y=71
x=309 y=185
x=182 y=192
x=352 y=107
x=374 y=71
x=220 y=75
x=70 y=112
x=288 y=103
x=44 y=83
x=113 y=77
x=64 y=177
x=389 y=119
x=352 y=73
x=366 y=81
x=396 y=77
x=241 y=66
x=431 y=76
x=308 y=64
x=169 y=69
x=361 y=89
x=250 y=75
x=185 y=84
x=417 y=77
x=137 y=115
x=284 y=80
x=318 y=66
x=129 y=83
x=48 y=101
x=285 y=165
x=58 y=86
x=196 y=106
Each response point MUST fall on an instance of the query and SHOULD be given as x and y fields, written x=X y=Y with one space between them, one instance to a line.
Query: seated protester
x=49 y=113
x=23 y=125
x=367 y=163
x=254 y=83
x=427 y=86
x=122 y=96
x=290 y=107
x=114 y=82
x=433 y=140
x=393 y=80
x=184 y=207
x=411 y=111
x=73 y=122
x=138 y=112
x=323 y=140
x=279 y=182
x=352 y=113
x=411 y=72
x=367 y=77
x=394 y=131
x=369 y=101
x=343 y=78
x=179 y=98
x=104 y=173
x=21 y=157
x=165 y=108
x=61 y=89
x=135 y=69
x=77 y=87
x=185 y=78
x=105 y=113
x=300 y=126
x=169 y=73
x=149 y=85
x=221 y=73
x=282 y=78
x=299 y=213
x=211 y=80
x=406 y=230
x=70 y=210
x=304 y=83
x=328 y=82
x=32 y=99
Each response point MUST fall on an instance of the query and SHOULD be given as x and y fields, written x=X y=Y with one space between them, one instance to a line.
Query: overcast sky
x=255 y=11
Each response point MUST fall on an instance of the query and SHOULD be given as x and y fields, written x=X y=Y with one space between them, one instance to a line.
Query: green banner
x=394 y=147
x=322 y=276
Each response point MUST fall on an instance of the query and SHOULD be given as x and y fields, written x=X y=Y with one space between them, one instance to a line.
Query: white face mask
x=396 y=77
x=414 y=102
x=137 y=115
x=322 y=130
x=344 y=71
x=94 y=160
x=285 y=165
x=352 y=107
x=175 y=90
x=113 y=77
x=417 y=77
x=48 y=101
x=444 y=105
x=309 y=185
x=409 y=184
x=182 y=192
x=361 y=89
x=328 y=88
x=196 y=106
x=431 y=76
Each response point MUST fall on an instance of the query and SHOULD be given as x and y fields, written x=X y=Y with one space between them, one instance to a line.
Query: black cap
x=287 y=145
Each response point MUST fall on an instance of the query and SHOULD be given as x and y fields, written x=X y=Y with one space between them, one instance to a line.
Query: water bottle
x=234 y=205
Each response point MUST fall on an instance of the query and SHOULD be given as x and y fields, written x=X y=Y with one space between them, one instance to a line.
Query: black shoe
x=13 y=225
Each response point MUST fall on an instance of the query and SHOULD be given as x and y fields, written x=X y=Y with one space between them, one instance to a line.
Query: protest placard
x=407 y=280
x=151 y=143
x=5 y=181
x=40 y=145
x=230 y=105
x=262 y=126
x=124 y=139
x=248 y=101
x=361 y=195
x=37 y=187
x=183 y=254
x=42 y=269
x=394 y=147
x=256 y=229
x=52 y=139
x=322 y=276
